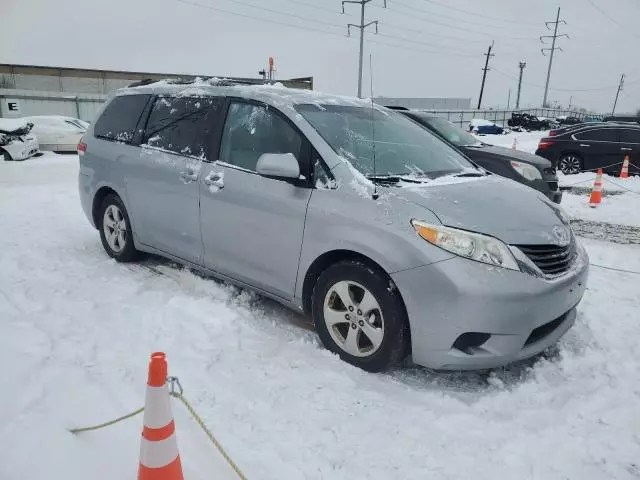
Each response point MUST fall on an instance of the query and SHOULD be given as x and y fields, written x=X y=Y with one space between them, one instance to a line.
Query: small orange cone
x=596 y=193
x=159 y=457
x=515 y=142
x=624 y=173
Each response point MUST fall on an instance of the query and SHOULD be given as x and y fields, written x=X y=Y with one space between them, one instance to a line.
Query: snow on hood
x=491 y=205
x=10 y=125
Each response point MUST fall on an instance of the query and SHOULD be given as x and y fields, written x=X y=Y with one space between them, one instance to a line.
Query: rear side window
x=120 y=117
x=251 y=130
x=630 y=136
x=182 y=124
x=599 y=135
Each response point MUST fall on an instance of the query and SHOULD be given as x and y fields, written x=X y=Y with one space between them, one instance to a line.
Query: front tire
x=115 y=230
x=6 y=155
x=359 y=314
x=570 y=164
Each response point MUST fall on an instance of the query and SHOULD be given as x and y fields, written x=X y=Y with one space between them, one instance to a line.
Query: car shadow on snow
x=457 y=383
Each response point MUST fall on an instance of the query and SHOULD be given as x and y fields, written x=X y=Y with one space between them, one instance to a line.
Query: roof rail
x=140 y=83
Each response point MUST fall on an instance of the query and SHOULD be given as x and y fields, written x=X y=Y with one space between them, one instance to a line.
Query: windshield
x=449 y=131
x=401 y=146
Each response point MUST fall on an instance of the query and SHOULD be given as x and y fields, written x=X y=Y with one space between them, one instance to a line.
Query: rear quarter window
x=599 y=135
x=183 y=125
x=119 y=119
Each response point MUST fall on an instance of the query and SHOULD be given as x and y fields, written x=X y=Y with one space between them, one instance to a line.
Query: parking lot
x=80 y=327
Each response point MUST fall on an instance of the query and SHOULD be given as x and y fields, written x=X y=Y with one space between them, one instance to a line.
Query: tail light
x=545 y=143
x=82 y=147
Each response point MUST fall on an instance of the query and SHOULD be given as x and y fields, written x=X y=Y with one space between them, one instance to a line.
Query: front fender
x=377 y=229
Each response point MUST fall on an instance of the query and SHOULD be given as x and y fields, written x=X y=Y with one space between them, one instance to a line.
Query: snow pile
x=76 y=330
x=621 y=209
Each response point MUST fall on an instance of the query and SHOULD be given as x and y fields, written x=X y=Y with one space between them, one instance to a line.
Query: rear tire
x=570 y=164
x=115 y=229
x=359 y=314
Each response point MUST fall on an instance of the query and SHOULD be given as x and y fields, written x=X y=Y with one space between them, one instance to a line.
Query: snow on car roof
x=275 y=94
x=477 y=122
x=12 y=124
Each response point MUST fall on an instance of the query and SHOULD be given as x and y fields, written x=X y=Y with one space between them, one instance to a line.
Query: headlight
x=527 y=171
x=474 y=246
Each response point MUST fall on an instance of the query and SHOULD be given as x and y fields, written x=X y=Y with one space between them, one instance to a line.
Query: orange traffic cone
x=624 y=173
x=159 y=457
x=596 y=193
x=515 y=142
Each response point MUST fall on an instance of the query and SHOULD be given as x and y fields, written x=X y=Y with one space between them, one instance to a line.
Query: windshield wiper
x=469 y=174
x=393 y=179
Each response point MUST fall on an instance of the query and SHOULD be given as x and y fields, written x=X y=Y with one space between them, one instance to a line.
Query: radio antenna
x=373 y=130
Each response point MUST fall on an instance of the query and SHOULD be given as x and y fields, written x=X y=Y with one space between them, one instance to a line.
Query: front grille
x=553 y=186
x=551 y=259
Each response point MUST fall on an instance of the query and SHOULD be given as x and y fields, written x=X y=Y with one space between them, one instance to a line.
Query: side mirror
x=279 y=165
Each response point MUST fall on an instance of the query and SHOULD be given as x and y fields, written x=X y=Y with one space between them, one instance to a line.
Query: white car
x=58 y=133
x=16 y=140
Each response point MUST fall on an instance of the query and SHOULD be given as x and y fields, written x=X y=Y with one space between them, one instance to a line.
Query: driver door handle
x=626 y=149
x=189 y=176
x=584 y=145
x=212 y=179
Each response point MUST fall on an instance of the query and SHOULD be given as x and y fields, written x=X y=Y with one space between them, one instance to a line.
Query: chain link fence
x=501 y=117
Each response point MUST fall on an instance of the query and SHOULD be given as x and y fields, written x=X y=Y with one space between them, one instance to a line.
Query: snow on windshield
x=401 y=147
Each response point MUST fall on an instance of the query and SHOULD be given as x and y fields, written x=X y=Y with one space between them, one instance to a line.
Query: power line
x=459 y=20
x=311 y=29
x=259 y=19
x=448 y=6
x=420 y=17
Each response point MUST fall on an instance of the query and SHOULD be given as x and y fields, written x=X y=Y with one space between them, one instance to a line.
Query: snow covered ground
x=525 y=141
x=76 y=330
x=623 y=209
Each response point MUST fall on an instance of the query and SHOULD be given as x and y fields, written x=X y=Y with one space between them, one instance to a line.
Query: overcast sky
x=425 y=48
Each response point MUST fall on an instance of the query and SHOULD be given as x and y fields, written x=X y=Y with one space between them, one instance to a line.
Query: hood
x=506 y=154
x=491 y=205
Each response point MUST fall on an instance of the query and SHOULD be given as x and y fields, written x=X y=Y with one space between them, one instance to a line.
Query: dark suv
x=530 y=170
x=589 y=147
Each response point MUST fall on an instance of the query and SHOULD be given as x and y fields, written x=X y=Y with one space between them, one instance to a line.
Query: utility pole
x=617 y=94
x=521 y=65
x=552 y=50
x=362 y=26
x=484 y=73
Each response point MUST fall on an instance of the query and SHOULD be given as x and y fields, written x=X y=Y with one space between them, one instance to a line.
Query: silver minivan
x=390 y=240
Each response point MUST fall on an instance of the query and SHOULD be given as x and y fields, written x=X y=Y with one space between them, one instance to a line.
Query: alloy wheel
x=353 y=318
x=569 y=165
x=115 y=228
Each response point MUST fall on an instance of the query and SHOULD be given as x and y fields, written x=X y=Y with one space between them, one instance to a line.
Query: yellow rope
x=215 y=442
x=106 y=424
x=193 y=413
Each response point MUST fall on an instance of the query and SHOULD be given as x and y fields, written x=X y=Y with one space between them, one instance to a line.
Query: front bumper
x=458 y=301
